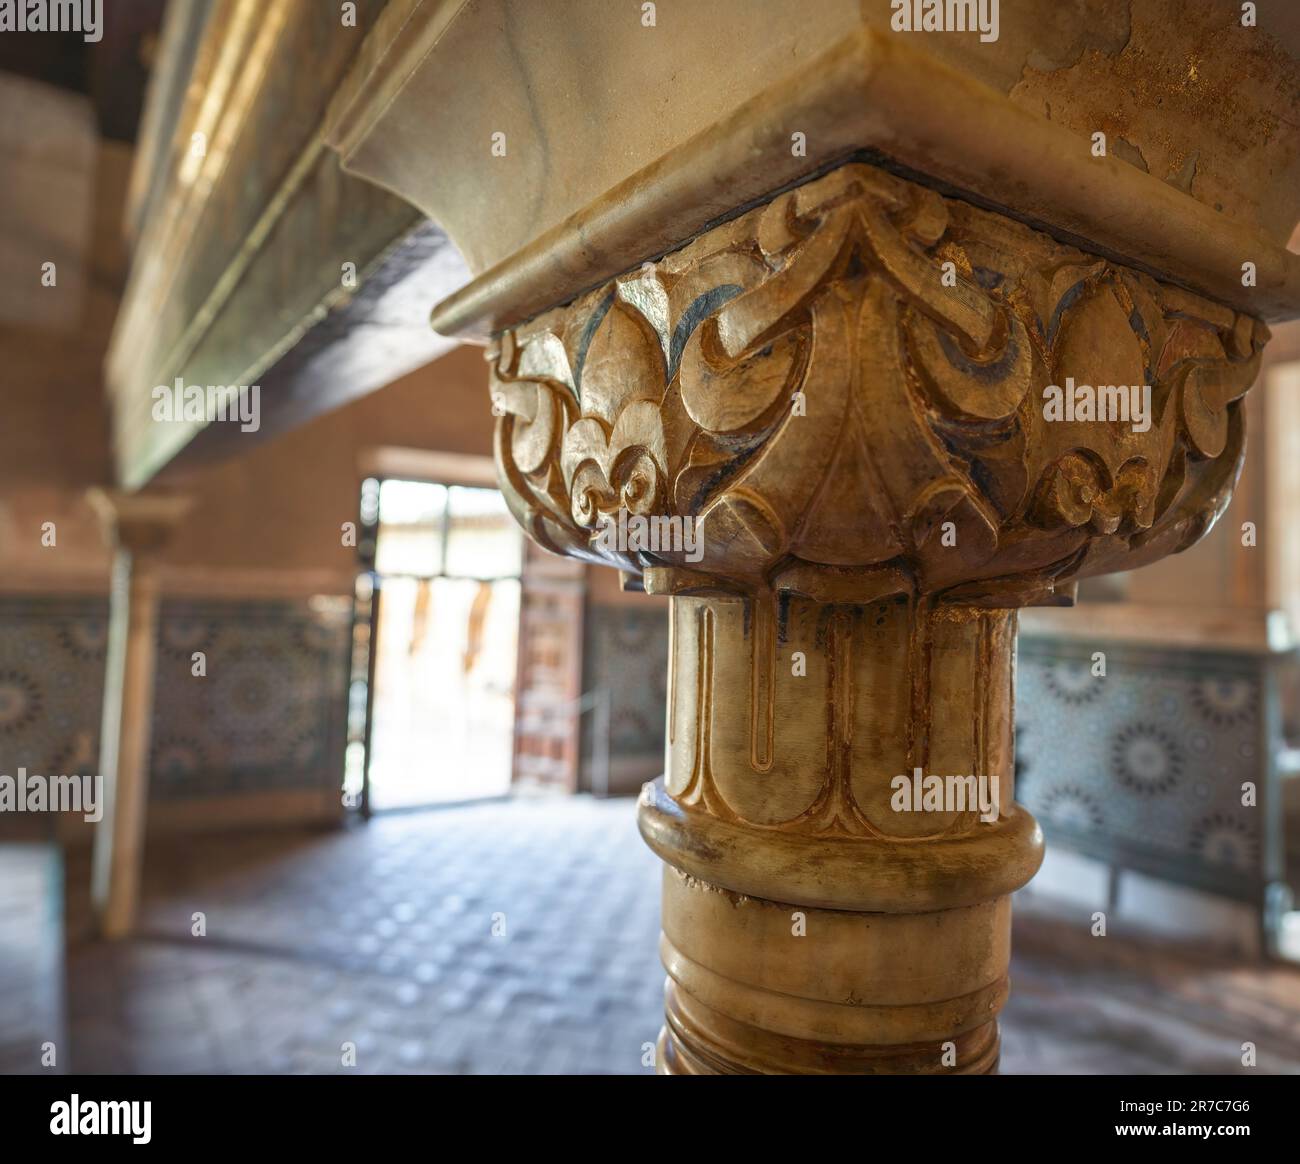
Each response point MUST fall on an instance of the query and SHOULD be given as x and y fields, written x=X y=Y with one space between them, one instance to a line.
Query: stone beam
x=249 y=242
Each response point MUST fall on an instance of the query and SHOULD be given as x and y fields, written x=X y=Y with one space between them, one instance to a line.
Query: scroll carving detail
x=804 y=382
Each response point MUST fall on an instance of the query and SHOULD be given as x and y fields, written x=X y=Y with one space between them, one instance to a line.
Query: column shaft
x=124 y=743
x=818 y=916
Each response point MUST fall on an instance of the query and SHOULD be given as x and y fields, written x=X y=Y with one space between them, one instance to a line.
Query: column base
x=758 y=987
x=686 y=1047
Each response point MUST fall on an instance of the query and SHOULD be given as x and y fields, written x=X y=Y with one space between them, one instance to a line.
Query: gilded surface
x=845 y=389
x=827 y=380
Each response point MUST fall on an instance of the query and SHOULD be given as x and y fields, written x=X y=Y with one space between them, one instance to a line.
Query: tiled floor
x=383 y=938
x=510 y=937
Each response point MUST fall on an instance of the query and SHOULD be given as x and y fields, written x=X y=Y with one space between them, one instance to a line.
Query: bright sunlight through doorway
x=446 y=619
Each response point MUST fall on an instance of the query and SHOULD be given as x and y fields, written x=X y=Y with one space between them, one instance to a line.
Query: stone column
x=808 y=926
x=841 y=393
x=136 y=526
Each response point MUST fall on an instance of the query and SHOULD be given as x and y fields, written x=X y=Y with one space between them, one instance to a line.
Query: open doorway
x=445 y=626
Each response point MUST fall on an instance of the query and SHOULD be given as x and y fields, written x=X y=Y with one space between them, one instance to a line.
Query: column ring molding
x=846 y=873
x=865 y=1024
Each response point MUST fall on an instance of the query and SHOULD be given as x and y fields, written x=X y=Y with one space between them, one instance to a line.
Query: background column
x=137 y=526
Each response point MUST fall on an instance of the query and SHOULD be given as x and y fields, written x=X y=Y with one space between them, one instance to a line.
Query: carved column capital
x=140 y=523
x=827 y=380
